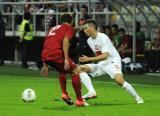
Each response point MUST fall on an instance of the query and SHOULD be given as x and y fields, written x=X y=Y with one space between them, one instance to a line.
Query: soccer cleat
x=139 y=100
x=81 y=103
x=33 y=67
x=67 y=99
x=90 y=96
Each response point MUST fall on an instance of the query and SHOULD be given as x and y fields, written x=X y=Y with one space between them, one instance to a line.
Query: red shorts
x=60 y=66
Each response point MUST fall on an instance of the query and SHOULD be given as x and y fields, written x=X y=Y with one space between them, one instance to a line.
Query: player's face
x=114 y=30
x=121 y=34
x=87 y=30
x=84 y=11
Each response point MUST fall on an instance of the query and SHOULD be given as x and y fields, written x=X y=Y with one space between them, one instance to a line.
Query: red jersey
x=127 y=39
x=53 y=48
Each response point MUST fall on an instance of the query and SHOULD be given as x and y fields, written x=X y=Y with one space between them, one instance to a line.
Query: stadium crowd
x=118 y=35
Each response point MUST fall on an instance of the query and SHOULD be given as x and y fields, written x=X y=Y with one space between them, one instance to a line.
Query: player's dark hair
x=115 y=26
x=91 y=22
x=122 y=30
x=27 y=15
x=107 y=27
x=85 y=7
x=66 y=18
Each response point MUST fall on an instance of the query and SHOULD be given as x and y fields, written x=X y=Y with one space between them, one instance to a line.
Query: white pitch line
x=114 y=83
x=98 y=82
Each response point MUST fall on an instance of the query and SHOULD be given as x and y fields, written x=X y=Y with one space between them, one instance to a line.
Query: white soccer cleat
x=33 y=67
x=139 y=100
x=90 y=95
x=86 y=104
x=81 y=103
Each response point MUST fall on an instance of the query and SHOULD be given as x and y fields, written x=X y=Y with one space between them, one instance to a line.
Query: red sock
x=77 y=86
x=63 y=81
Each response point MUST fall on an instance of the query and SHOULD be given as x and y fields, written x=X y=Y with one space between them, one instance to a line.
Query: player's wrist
x=45 y=65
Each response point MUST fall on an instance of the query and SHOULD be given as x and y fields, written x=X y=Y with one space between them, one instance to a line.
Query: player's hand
x=84 y=58
x=66 y=65
x=44 y=71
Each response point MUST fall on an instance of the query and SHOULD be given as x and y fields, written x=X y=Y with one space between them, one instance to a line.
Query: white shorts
x=110 y=67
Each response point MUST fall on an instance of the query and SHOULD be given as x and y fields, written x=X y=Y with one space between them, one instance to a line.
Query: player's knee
x=84 y=68
x=119 y=83
x=76 y=71
x=119 y=79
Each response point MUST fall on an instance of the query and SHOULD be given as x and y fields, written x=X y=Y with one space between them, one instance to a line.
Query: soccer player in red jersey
x=55 y=54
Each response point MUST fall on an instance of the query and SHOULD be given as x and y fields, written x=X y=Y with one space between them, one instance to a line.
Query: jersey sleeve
x=105 y=44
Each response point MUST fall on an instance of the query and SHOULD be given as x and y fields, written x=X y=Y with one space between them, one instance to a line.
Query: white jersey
x=112 y=65
x=102 y=44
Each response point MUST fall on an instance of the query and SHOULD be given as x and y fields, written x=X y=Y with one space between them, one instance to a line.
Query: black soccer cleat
x=67 y=99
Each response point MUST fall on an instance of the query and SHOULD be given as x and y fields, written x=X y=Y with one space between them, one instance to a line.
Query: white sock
x=128 y=87
x=85 y=79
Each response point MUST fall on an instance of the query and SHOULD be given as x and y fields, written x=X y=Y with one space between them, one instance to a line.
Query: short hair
x=84 y=6
x=66 y=18
x=91 y=22
x=122 y=30
x=107 y=27
x=27 y=15
x=115 y=26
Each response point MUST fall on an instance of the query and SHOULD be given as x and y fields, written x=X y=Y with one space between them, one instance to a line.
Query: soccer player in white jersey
x=108 y=61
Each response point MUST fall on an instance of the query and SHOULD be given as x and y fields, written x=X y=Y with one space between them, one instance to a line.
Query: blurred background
x=138 y=20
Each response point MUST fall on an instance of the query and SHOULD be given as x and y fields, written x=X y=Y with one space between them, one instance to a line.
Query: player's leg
x=77 y=88
x=114 y=70
x=24 y=54
x=128 y=87
x=62 y=81
x=85 y=79
x=76 y=83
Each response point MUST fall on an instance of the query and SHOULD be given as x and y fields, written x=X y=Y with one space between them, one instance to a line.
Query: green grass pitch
x=112 y=100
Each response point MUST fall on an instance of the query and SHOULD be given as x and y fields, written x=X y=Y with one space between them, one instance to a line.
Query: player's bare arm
x=44 y=71
x=100 y=57
x=65 y=50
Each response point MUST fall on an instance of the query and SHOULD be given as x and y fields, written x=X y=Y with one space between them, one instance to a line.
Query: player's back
x=53 y=42
x=55 y=37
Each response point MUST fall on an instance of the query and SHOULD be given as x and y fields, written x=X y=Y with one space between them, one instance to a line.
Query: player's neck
x=66 y=23
x=94 y=34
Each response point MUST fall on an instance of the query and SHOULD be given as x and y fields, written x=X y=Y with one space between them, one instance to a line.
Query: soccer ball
x=28 y=95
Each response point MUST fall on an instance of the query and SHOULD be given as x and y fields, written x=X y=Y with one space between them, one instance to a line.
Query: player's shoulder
x=66 y=25
x=103 y=38
x=89 y=39
x=102 y=35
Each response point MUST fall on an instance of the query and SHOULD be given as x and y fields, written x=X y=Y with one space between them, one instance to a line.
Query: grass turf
x=112 y=100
